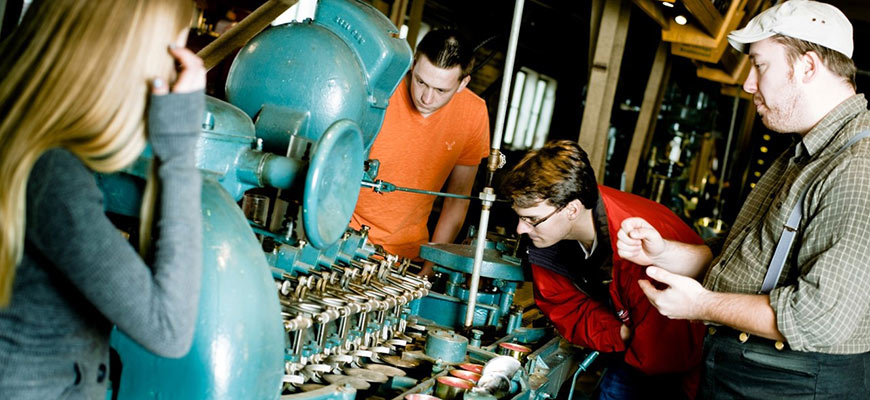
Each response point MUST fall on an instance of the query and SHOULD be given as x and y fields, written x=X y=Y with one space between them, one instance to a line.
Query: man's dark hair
x=835 y=61
x=559 y=172
x=447 y=48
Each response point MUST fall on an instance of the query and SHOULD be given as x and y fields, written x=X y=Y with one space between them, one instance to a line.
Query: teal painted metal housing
x=318 y=90
x=332 y=183
x=300 y=258
x=449 y=311
x=284 y=67
x=227 y=150
x=239 y=322
x=456 y=261
x=306 y=102
x=330 y=180
x=238 y=346
x=460 y=258
x=446 y=346
x=227 y=133
x=345 y=64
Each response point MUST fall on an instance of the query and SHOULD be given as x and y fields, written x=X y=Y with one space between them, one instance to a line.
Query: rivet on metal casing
x=208 y=121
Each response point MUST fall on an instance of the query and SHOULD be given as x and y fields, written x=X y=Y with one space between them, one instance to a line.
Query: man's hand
x=624 y=333
x=639 y=242
x=426 y=270
x=684 y=298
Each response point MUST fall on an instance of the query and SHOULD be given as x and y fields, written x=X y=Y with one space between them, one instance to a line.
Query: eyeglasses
x=535 y=222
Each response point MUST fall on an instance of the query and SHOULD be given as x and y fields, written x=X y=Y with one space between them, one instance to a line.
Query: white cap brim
x=741 y=40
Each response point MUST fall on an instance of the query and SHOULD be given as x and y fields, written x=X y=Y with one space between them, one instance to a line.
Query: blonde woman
x=82 y=83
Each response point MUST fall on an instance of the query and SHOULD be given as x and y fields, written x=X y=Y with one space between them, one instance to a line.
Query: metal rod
x=342 y=327
x=443 y=194
x=321 y=335
x=496 y=158
x=488 y=195
x=361 y=324
x=386 y=187
x=242 y=32
x=507 y=75
x=298 y=336
x=478 y=258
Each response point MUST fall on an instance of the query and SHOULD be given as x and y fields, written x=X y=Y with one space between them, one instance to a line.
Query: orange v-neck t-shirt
x=419 y=152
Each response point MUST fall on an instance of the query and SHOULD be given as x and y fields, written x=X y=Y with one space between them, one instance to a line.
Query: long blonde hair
x=75 y=75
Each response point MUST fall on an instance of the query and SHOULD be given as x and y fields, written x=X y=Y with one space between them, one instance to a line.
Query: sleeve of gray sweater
x=156 y=305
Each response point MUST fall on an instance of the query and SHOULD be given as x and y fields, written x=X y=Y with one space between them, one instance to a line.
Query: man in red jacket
x=589 y=292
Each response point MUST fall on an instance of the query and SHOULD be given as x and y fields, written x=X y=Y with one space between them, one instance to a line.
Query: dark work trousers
x=623 y=382
x=755 y=369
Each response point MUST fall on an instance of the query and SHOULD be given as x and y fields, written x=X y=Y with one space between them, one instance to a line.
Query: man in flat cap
x=787 y=299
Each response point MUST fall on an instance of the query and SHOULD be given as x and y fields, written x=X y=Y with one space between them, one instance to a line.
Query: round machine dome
x=303 y=67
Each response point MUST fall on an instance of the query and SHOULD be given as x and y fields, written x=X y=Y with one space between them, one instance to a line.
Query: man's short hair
x=558 y=172
x=447 y=48
x=834 y=60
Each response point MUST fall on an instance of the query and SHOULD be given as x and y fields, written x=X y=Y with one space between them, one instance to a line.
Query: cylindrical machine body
x=238 y=346
x=446 y=346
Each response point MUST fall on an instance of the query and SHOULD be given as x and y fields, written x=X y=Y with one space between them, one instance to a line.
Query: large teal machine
x=299 y=305
x=324 y=89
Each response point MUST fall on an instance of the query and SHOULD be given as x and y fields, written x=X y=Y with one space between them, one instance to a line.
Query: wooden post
x=594 y=24
x=603 y=77
x=415 y=19
x=397 y=14
x=382 y=6
x=649 y=111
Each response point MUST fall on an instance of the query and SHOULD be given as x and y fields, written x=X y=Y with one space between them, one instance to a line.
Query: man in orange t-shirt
x=434 y=132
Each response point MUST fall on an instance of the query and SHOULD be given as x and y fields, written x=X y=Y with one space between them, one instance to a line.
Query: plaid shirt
x=822 y=299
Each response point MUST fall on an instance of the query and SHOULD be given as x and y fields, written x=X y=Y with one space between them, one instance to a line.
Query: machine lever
x=381 y=186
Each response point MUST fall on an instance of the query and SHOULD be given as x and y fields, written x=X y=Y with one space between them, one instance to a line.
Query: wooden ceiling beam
x=652 y=10
x=691 y=41
x=735 y=75
x=706 y=14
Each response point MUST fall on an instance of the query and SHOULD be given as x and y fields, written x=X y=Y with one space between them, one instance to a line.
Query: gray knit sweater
x=79 y=276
